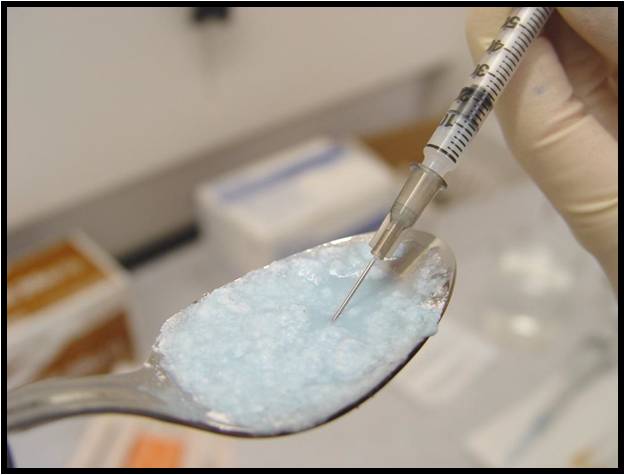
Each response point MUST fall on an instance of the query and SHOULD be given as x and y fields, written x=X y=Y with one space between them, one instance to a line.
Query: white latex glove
x=559 y=115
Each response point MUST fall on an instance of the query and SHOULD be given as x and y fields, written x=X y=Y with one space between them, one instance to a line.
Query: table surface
x=395 y=429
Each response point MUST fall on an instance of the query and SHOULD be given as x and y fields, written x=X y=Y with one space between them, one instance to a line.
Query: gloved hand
x=559 y=115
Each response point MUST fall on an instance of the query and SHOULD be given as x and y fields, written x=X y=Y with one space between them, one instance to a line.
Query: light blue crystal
x=263 y=352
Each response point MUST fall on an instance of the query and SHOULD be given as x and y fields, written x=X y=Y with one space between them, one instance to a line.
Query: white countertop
x=397 y=428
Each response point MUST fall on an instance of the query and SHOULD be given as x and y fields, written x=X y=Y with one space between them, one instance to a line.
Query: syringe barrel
x=418 y=191
x=489 y=77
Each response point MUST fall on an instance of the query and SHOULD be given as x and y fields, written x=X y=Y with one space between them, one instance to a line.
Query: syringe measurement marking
x=531 y=23
x=457 y=113
x=499 y=80
x=453 y=141
x=461 y=133
x=521 y=47
x=526 y=37
x=534 y=24
x=490 y=88
x=468 y=139
x=506 y=70
x=463 y=144
x=522 y=40
x=451 y=150
x=490 y=96
x=511 y=64
x=513 y=46
x=513 y=54
x=458 y=148
x=508 y=66
x=539 y=13
x=527 y=28
x=442 y=151
x=473 y=130
x=501 y=71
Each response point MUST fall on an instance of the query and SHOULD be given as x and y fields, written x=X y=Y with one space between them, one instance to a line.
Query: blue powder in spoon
x=261 y=352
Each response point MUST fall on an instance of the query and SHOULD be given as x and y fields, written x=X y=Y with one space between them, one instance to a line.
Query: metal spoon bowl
x=151 y=393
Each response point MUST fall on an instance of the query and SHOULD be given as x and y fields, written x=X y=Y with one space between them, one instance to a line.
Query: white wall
x=98 y=97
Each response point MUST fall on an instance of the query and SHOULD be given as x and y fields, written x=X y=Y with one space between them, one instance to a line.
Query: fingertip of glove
x=481 y=26
x=598 y=26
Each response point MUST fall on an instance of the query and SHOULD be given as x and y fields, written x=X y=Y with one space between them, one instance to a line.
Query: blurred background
x=155 y=154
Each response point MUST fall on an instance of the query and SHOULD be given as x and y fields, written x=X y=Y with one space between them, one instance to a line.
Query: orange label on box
x=151 y=451
x=47 y=277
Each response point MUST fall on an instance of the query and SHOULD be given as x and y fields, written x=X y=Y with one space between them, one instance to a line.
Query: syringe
x=455 y=131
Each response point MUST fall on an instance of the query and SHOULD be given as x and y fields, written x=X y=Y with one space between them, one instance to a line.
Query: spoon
x=150 y=392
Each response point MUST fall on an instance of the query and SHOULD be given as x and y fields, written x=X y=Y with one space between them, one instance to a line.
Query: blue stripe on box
x=243 y=190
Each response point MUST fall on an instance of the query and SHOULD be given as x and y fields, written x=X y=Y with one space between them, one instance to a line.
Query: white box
x=312 y=193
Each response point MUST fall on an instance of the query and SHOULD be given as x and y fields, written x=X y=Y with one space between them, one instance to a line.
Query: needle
x=351 y=293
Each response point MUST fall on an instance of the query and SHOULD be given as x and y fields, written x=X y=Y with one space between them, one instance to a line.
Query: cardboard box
x=66 y=312
x=312 y=193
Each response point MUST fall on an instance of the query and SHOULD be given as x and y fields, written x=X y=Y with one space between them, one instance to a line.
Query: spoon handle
x=52 y=399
